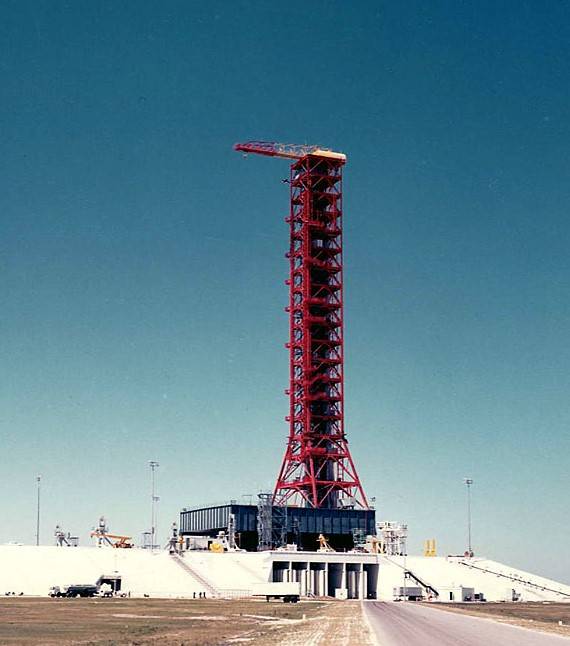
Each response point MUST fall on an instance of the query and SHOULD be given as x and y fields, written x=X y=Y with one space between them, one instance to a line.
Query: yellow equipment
x=216 y=547
x=372 y=544
x=324 y=544
x=114 y=540
x=429 y=547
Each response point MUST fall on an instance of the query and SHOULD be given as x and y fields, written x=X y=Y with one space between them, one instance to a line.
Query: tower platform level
x=289 y=525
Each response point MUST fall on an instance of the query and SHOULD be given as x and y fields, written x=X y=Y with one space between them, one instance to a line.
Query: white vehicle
x=105 y=590
x=289 y=592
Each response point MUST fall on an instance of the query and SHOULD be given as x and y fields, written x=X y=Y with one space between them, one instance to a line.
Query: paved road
x=409 y=624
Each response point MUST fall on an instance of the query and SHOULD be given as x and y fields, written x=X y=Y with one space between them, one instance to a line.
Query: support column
x=303 y=582
x=361 y=586
x=322 y=591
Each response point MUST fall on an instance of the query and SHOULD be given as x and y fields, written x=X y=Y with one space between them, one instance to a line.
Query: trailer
x=74 y=590
x=289 y=592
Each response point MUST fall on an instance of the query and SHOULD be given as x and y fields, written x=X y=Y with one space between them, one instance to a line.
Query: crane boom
x=289 y=151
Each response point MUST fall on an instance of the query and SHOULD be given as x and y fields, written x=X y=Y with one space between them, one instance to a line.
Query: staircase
x=426 y=586
x=410 y=575
x=208 y=586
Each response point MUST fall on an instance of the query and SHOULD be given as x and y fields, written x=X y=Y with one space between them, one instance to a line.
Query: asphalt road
x=409 y=624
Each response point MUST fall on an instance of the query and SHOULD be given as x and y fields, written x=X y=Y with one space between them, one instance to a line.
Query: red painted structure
x=317 y=469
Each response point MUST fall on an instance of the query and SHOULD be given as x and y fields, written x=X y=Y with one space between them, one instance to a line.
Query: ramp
x=539 y=587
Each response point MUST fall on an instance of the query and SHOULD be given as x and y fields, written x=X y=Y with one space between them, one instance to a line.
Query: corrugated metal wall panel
x=312 y=521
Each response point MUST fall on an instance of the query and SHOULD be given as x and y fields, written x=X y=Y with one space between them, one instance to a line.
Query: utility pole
x=468 y=482
x=405 y=597
x=154 y=499
x=38 y=482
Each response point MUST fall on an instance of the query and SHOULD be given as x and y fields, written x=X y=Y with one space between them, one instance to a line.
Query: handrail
x=196 y=575
x=511 y=577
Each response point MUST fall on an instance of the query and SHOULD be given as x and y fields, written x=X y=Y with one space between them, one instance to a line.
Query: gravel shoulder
x=535 y=616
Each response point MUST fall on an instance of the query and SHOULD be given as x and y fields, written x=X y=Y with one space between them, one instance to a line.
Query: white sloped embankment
x=495 y=580
x=33 y=570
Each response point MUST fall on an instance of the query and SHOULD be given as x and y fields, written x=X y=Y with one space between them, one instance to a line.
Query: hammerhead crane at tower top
x=289 y=151
x=317 y=469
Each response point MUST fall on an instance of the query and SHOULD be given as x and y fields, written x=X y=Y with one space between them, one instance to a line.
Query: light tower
x=317 y=469
x=38 y=486
x=153 y=464
x=468 y=482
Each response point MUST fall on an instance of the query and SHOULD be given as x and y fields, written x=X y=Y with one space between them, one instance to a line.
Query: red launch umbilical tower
x=317 y=469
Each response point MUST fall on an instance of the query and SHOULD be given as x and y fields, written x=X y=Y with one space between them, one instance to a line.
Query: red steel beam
x=317 y=469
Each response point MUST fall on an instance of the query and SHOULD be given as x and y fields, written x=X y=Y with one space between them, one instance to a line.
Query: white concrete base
x=33 y=570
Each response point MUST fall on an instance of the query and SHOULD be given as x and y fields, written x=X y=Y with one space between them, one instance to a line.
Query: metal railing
x=516 y=579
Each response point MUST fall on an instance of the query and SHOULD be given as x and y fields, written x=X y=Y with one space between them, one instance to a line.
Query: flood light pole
x=153 y=465
x=38 y=482
x=468 y=482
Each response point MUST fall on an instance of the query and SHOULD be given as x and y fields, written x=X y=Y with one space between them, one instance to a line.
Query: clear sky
x=142 y=260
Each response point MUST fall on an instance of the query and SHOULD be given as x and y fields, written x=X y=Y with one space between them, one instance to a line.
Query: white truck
x=289 y=592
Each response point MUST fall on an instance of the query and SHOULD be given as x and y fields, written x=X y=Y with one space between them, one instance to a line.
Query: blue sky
x=142 y=260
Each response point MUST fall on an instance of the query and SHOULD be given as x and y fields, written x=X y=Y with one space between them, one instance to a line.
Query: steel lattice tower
x=317 y=469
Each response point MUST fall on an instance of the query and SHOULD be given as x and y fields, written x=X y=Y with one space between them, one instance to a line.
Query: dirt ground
x=539 y=616
x=204 y=622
